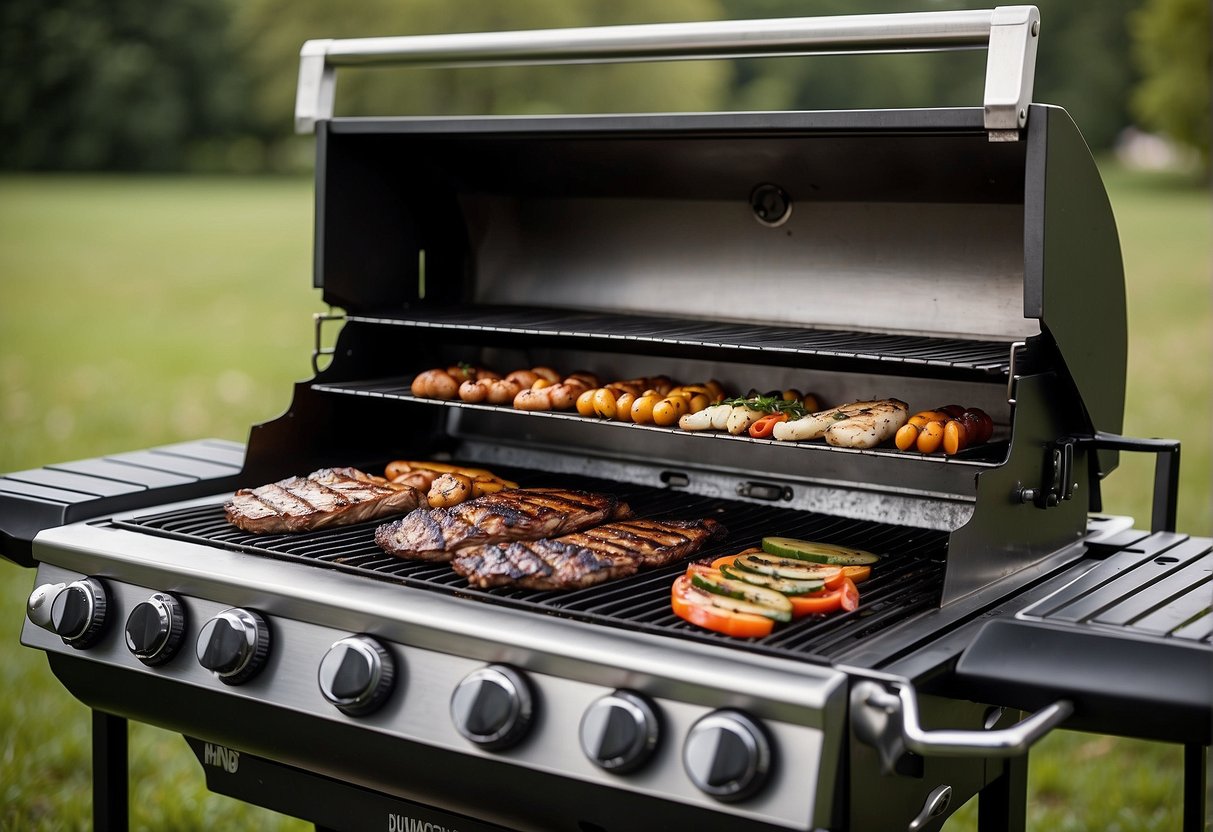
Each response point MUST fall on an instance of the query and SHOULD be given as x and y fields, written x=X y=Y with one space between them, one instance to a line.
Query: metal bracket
x=1008 y=32
x=319 y=319
x=1010 y=70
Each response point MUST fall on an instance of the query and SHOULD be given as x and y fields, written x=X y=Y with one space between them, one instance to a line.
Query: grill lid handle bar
x=890 y=723
x=1009 y=33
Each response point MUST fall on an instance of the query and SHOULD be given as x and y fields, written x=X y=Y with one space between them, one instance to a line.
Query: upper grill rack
x=892 y=352
x=907 y=581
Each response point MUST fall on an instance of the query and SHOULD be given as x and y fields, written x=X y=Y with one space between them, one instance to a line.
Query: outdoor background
x=155 y=244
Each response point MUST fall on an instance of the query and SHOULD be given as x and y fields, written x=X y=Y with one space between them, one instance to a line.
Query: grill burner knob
x=233 y=645
x=619 y=732
x=154 y=629
x=356 y=675
x=493 y=707
x=78 y=612
x=727 y=755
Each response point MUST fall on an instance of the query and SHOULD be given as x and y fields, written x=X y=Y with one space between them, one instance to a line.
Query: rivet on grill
x=771 y=205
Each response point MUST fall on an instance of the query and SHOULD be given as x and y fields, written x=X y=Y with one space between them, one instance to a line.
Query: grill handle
x=889 y=722
x=1009 y=33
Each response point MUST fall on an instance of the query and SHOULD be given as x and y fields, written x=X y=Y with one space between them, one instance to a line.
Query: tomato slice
x=737 y=624
x=850 y=595
x=763 y=426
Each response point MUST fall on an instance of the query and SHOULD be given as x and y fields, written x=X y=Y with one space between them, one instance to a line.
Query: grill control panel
x=714 y=752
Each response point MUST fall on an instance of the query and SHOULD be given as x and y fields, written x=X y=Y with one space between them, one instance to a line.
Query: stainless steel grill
x=964 y=255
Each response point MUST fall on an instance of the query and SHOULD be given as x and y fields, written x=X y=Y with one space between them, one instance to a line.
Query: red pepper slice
x=845 y=596
x=763 y=426
x=737 y=624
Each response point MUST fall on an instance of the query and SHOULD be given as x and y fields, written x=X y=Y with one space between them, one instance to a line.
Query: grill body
x=856 y=253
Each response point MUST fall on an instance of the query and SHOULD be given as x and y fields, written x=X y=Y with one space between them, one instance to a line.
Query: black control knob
x=356 y=675
x=727 y=755
x=154 y=629
x=78 y=612
x=619 y=732
x=493 y=707
x=234 y=645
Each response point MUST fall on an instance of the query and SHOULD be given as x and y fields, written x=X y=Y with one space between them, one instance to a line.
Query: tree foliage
x=136 y=84
x=272 y=31
x=1172 y=45
x=113 y=84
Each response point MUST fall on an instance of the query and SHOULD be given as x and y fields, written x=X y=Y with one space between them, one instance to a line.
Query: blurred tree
x=1082 y=65
x=271 y=32
x=113 y=84
x=1172 y=46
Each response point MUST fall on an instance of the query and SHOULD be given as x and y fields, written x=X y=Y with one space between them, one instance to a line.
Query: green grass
x=140 y=311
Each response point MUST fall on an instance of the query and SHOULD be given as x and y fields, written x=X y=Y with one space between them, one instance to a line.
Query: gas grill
x=931 y=255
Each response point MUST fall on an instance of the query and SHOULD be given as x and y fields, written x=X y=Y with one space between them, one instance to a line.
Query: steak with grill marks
x=515 y=514
x=585 y=558
x=328 y=497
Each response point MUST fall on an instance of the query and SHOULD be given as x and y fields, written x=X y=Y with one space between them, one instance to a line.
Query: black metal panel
x=1128 y=641
x=31 y=501
x=904 y=584
x=1073 y=271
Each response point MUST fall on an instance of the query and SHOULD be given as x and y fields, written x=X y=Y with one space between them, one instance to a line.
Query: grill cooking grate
x=908 y=580
x=982 y=357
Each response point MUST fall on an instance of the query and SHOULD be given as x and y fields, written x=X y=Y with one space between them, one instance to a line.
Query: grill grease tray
x=908 y=580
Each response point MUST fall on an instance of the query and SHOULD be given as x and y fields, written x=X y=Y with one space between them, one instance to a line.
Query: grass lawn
x=141 y=311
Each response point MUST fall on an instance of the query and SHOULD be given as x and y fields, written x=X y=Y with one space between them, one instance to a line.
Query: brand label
x=404 y=823
x=220 y=757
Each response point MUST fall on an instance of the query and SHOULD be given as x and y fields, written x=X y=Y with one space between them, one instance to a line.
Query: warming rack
x=984 y=359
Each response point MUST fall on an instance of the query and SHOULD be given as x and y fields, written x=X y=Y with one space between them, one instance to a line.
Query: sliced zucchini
x=781 y=585
x=701 y=597
x=790 y=568
x=790 y=547
x=711 y=580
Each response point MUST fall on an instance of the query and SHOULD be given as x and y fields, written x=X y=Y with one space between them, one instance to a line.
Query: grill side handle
x=889 y=722
x=1009 y=33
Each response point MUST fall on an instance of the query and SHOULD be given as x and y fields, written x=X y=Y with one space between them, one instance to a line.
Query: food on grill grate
x=952 y=428
x=516 y=514
x=854 y=425
x=585 y=558
x=446 y=484
x=807 y=550
x=744 y=594
x=328 y=497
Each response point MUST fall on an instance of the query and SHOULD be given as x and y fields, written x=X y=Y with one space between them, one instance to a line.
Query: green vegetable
x=790 y=547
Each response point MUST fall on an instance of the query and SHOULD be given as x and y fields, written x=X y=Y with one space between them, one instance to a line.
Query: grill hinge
x=1060 y=485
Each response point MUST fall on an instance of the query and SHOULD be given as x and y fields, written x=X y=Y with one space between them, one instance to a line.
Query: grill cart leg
x=110 y=778
x=1003 y=804
x=1196 y=769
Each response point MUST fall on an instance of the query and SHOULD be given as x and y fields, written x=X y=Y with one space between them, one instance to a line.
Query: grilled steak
x=328 y=497
x=515 y=514
x=584 y=558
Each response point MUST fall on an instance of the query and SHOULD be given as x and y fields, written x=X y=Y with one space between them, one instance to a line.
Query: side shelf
x=67 y=492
